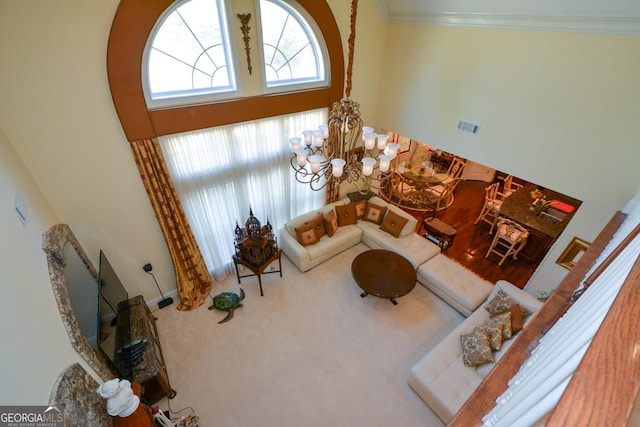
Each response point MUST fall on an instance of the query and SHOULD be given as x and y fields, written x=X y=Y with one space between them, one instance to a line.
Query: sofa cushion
x=528 y=303
x=516 y=318
x=393 y=223
x=318 y=225
x=459 y=287
x=413 y=247
x=360 y=205
x=493 y=329
x=411 y=224
x=475 y=348
x=331 y=206
x=299 y=221
x=501 y=302
x=505 y=320
x=331 y=223
x=343 y=239
x=307 y=235
x=347 y=215
x=374 y=213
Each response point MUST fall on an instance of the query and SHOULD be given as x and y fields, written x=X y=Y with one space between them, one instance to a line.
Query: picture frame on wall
x=572 y=253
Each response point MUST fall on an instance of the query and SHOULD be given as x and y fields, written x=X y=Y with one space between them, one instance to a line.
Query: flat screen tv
x=114 y=325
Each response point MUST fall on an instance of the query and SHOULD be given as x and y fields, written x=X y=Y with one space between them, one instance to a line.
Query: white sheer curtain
x=220 y=173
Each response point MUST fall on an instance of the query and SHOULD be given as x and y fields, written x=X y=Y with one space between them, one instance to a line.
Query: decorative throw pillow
x=318 y=225
x=502 y=302
x=393 y=223
x=346 y=214
x=360 y=207
x=374 y=213
x=505 y=320
x=493 y=329
x=516 y=318
x=331 y=223
x=306 y=234
x=476 y=349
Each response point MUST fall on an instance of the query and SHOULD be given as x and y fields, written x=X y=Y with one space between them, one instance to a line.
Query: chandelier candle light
x=329 y=153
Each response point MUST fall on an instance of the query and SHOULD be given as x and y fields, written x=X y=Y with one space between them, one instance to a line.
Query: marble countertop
x=517 y=207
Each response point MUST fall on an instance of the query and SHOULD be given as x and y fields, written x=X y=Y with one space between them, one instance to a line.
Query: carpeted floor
x=311 y=352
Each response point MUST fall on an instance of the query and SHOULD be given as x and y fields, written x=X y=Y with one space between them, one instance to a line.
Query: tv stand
x=151 y=372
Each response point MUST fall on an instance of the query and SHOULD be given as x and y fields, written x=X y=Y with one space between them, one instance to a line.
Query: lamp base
x=165 y=302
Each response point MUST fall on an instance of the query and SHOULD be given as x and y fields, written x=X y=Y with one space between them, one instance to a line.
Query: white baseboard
x=173 y=294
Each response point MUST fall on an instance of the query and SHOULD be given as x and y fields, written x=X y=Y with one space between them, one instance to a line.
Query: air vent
x=468 y=127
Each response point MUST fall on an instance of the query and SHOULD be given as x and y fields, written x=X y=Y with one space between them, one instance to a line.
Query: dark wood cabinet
x=536 y=248
x=151 y=372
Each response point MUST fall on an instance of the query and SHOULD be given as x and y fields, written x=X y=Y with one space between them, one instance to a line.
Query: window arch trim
x=133 y=22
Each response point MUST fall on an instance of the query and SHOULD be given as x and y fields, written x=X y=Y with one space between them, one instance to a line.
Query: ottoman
x=460 y=288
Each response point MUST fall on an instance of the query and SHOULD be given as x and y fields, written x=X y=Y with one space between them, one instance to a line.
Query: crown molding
x=575 y=24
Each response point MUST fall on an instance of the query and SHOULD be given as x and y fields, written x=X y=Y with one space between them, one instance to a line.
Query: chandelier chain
x=351 y=46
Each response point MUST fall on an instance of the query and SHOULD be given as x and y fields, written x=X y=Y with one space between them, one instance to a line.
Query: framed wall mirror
x=75 y=285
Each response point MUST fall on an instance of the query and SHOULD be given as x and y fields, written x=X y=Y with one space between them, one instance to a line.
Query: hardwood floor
x=473 y=240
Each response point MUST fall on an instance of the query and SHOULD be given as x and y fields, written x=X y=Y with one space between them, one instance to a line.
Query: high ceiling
x=598 y=16
x=605 y=8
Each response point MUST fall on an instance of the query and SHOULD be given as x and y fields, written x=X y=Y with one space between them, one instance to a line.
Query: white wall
x=557 y=109
x=35 y=346
x=57 y=112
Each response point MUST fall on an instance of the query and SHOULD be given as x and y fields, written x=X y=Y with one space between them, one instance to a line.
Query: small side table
x=440 y=231
x=258 y=270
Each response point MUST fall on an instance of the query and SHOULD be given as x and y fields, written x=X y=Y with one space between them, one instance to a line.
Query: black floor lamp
x=165 y=301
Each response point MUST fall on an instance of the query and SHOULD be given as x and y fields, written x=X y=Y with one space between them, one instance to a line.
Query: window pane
x=189 y=53
x=291 y=51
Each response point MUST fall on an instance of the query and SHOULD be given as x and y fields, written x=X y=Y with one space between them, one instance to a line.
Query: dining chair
x=491 y=209
x=510 y=237
x=455 y=169
x=443 y=194
x=509 y=186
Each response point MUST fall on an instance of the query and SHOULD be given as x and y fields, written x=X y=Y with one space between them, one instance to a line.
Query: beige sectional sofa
x=440 y=378
x=409 y=244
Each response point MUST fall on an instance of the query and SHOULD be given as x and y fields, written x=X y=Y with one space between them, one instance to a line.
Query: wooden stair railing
x=594 y=386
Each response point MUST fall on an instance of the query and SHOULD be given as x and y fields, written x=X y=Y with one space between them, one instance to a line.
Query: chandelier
x=330 y=154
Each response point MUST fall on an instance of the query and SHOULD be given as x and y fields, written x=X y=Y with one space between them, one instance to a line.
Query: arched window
x=134 y=25
x=192 y=57
x=292 y=55
x=189 y=53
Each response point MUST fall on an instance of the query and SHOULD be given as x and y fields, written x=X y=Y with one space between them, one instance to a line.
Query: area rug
x=310 y=352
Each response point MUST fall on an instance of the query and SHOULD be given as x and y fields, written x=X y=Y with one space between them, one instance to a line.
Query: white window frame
x=176 y=101
x=294 y=8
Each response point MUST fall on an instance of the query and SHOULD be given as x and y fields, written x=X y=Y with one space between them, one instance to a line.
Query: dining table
x=422 y=175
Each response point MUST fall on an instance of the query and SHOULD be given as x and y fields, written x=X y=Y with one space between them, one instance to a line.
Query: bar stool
x=492 y=204
x=511 y=237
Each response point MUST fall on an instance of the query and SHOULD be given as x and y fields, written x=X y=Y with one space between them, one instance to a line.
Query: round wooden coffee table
x=384 y=274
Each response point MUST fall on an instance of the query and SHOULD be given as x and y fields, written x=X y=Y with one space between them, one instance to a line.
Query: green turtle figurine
x=227 y=301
